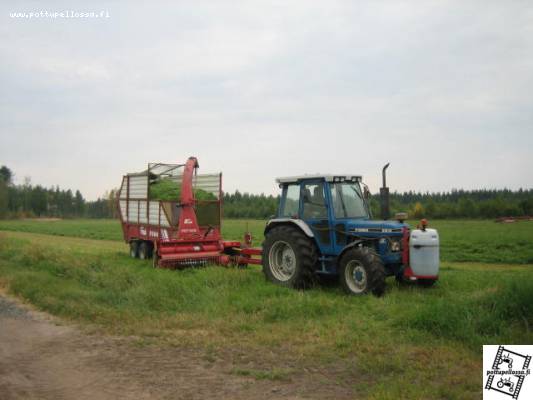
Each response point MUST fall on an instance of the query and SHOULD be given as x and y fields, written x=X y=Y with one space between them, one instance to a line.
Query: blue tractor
x=324 y=226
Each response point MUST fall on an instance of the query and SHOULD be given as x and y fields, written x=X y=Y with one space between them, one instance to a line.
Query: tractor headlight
x=395 y=245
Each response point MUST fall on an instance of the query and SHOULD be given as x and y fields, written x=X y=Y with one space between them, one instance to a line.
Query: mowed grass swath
x=431 y=337
x=461 y=240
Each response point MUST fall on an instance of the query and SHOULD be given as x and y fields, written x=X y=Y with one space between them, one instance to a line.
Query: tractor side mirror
x=366 y=193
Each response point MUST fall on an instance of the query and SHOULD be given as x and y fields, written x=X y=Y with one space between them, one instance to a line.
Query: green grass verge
x=431 y=337
x=461 y=240
x=105 y=229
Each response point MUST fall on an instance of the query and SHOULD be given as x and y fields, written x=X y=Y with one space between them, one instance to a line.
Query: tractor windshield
x=348 y=200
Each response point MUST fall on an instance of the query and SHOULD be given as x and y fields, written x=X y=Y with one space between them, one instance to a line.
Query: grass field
x=411 y=343
x=461 y=240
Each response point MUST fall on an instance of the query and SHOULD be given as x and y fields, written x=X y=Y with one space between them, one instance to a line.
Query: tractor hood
x=359 y=226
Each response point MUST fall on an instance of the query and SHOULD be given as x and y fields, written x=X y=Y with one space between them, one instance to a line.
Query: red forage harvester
x=181 y=232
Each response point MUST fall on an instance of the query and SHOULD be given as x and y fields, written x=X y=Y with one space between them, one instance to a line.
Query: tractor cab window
x=292 y=201
x=314 y=201
x=348 y=200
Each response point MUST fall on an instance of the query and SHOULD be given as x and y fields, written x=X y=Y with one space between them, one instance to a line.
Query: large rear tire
x=361 y=271
x=289 y=257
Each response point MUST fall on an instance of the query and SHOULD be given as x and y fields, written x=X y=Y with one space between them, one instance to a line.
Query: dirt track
x=43 y=359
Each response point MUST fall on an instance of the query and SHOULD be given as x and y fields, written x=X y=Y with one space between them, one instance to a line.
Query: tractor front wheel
x=361 y=271
x=289 y=257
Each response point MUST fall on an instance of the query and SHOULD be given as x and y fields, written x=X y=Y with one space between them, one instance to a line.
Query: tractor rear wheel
x=361 y=271
x=145 y=250
x=134 y=249
x=289 y=257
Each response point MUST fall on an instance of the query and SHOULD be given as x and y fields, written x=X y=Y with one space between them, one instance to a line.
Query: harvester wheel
x=289 y=257
x=134 y=249
x=145 y=250
x=361 y=271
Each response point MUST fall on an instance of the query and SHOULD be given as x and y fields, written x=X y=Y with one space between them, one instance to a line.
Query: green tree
x=418 y=210
x=4 y=199
x=112 y=211
x=431 y=208
x=526 y=206
x=79 y=204
x=466 y=208
x=6 y=175
x=38 y=201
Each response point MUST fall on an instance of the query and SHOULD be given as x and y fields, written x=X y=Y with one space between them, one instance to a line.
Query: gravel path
x=8 y=309
x=42 y=358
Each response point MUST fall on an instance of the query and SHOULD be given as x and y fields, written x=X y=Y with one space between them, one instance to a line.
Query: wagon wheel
x=134 y=249
x=145 y=250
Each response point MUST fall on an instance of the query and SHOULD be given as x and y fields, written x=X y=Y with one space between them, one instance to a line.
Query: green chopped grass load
x=168 y=190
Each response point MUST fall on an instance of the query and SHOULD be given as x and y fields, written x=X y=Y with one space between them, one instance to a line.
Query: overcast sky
x=258 y=89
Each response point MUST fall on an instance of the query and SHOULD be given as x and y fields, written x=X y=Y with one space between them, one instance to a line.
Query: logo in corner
x=509 y=370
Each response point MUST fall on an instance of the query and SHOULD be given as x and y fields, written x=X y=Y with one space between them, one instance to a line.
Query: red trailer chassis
x=182 y=233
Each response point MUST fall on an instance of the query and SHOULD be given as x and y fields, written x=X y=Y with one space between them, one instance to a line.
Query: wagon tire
x=145 y=250
x=289 y=257
x=361 y=271
x=134 y=249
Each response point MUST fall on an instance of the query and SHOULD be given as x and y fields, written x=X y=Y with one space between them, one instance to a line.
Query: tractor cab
x=331 y=213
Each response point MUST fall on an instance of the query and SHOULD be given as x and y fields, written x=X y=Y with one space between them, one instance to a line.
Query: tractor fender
x=286 y=221
x=355 y=243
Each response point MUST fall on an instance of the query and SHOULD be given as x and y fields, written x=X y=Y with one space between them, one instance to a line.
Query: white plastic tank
x=424 y=252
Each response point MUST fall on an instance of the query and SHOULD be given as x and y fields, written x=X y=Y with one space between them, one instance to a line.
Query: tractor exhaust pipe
x=384 y=195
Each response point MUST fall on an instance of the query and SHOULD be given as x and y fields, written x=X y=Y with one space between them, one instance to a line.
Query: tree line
x=485 y=203
x=453 y=204
x=27 y=201
x=252 y=206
